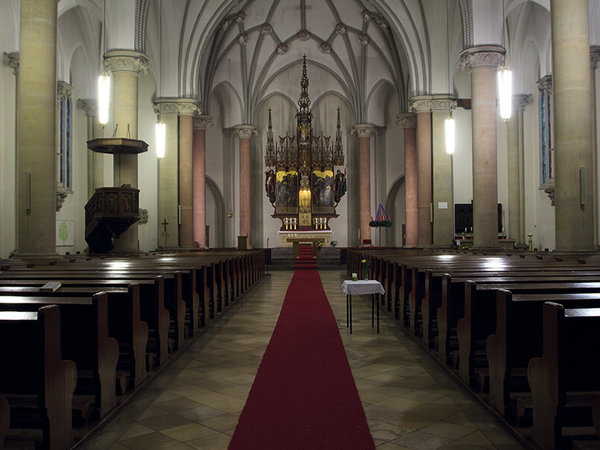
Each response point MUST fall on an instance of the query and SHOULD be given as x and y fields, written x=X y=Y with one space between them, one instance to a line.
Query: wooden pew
x=84 y=339
x=451 y=305
x=570 y=365
x=4 y=419
x=480 y=317
x=124 y=320
x=152 y=298
x=31 y=346
x=518 y=334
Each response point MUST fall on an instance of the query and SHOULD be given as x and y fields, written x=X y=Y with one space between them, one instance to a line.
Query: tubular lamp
x=505 y=92
x=103 y=97
x=450 y=135
x=161 y=134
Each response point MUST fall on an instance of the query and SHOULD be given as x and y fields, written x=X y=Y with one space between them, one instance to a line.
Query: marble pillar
x=572 y=125
x=201 y=123
x=126 y=67
x=364 y=131
x=36 y=130
x=168 y=186
x=95 y=160
x=421 y=105
x=515 y=158
x=594 y=60
x=411 y=214
x=245 y=132
x=483 y=62
x=186 y=179
x=443 y=187
x=176 y=183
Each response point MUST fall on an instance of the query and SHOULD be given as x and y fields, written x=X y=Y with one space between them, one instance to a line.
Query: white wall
x=7 y=161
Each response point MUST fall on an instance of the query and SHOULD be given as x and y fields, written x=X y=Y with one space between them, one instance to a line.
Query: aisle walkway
x=409 y=401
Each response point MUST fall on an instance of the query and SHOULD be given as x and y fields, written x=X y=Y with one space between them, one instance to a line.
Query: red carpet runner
x=306 y=260
x=304 y=396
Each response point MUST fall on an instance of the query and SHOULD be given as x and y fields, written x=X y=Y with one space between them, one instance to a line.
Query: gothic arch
x=390 y=200
x=217 y=236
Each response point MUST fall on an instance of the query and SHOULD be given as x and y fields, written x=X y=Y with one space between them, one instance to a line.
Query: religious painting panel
x=322 y=192
x=287 y=192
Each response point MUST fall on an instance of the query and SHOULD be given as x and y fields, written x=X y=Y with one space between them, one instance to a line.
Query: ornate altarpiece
x=302 y=186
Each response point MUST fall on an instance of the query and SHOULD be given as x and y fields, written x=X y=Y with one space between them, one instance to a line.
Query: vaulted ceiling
x=353 y=47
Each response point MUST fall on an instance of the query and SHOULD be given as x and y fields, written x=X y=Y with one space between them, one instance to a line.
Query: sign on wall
x=65 y=236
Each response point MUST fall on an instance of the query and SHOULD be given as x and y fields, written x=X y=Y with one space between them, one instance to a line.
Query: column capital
x=89 y=105
x=244 y=131
x=126 y=61
x=363 y=129
x=520 y=101
x=12 y=60
x=443 y=102
x=594 y=55
x=420 y=103
x=406 y=120
x=203 y=122
x=179 y=106
x=545 y=83
x=63 y=89
x=482 y=56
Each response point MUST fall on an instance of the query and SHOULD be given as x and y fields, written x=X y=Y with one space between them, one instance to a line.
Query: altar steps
x=306 y=260
x=282 y=258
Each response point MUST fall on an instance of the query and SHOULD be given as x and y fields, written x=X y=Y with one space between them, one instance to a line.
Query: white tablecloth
x=362 y=287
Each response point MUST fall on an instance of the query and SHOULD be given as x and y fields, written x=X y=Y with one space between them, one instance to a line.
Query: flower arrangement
x=317 y=244
x=365 y=266
x=381 y=218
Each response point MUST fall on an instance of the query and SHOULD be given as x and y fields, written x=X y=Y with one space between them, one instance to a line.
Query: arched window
x=64 y=164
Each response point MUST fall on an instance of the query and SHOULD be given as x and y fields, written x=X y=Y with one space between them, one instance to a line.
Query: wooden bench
x=4 y=419
x=566 y=373
x=480 y=317
x=518 y=335
x=124 y=319
x=152 y=298
x=84 y=339
x=448 y=296
x=39 y=385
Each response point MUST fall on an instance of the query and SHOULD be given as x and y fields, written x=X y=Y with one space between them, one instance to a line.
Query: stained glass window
x=65 y=125
x=545 y=111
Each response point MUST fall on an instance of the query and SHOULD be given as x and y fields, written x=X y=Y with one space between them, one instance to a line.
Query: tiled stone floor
x=409 y=400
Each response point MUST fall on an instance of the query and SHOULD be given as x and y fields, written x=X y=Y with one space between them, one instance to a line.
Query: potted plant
x=317 y=246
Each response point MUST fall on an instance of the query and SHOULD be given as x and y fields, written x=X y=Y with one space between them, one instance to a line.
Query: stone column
x=443 y=188
x=126 y=67
x=411 y=215
x=245 y=133
x=594 y=60
x=175 y=184
x=483 y=62
x=364 y=131
x=95 y=159
x=201 y=123
x=36 y=132
x=516 y=180
x=421 y=105
x=572 y=125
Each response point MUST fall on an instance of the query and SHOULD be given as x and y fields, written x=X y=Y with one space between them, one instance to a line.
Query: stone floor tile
x=189 y=432
x=406 y=395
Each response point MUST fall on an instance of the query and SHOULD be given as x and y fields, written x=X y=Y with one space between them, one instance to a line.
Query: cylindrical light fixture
x=103 y=97
x=450 y=135
x=161 y=135
x=505 y=92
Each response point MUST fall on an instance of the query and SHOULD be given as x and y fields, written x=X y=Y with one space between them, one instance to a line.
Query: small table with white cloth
x=362 y=287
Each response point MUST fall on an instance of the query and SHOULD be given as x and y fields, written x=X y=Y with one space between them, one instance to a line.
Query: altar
x=302 y=183
x=294 y=239
x=288 y=238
